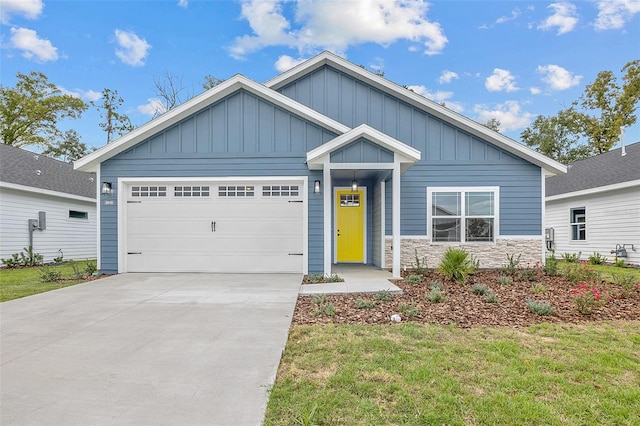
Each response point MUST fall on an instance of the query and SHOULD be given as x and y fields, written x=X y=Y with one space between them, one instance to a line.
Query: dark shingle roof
x=603 y=169
x=26 y=168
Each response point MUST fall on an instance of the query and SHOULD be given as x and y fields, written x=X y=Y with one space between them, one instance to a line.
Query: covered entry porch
x=361 y=186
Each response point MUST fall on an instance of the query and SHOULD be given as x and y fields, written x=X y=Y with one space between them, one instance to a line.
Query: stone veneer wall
x=490 y=255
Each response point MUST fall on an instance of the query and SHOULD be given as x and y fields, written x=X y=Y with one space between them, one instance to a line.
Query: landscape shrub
x=597 y=259
x=456 y=264
x=540 y=307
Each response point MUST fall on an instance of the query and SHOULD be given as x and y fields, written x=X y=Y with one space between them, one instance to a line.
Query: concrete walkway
x=357 y=279
x=145 y=349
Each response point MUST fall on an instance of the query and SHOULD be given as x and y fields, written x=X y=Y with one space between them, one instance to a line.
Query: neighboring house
x=35 y=187
x=251 y=177
x=595 y=207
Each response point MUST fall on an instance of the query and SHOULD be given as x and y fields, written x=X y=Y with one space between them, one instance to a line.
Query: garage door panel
x=215 y=234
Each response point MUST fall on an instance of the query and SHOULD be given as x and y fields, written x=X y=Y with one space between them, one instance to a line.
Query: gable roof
x=420 y=102
x=407 y=155
x=26 y=168
x=268 y=91
x=608 y=168
x=172 y=117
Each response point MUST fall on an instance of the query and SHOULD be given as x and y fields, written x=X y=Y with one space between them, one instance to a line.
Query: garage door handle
x=296 y=254
x=213 y=227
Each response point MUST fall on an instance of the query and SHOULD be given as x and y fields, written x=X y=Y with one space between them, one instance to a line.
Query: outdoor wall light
x=316 y=187
x=106 y=188
x=354 y=183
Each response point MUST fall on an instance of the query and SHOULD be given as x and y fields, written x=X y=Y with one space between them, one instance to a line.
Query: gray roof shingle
x=27 y=168
x=603 y=169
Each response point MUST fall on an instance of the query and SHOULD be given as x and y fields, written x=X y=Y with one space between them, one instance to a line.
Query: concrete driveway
x=145 y=349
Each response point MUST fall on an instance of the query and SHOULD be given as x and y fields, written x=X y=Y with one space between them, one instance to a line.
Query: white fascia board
x=172 y=117
x=41 y=191
x=420 y=102
x=315 y=157
x=591 y=191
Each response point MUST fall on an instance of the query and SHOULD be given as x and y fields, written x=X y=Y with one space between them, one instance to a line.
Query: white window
x=75 y=214
x=280 y=190
x=236 y=191
x=148 y=191
x=191 y=191
x=462 y=214
x=578 y=224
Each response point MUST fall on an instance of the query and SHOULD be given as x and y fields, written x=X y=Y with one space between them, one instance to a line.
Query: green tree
x=114 y=124
x=557 y=138
x=69 y=149
x=493 y=123
x=30 y=111
x=210 y=82
x=607 y=105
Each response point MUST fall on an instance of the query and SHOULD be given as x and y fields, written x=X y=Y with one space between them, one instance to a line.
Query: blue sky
x=512 y=60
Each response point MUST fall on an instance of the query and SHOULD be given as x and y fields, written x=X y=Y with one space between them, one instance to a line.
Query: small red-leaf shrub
x=588 y=298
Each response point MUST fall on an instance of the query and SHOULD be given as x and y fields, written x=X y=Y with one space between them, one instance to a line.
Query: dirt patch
x=463 y=308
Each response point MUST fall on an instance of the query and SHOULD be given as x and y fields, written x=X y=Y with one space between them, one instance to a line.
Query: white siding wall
x=76 y=237
x=612 y=217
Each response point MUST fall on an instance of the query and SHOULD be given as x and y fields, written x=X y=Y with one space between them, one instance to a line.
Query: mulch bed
x=465 y=309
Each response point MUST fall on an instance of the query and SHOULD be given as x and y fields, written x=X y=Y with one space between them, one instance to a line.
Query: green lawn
x=21 y=282
x=415 y=375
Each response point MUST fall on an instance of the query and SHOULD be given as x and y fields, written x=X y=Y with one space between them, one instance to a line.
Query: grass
x=22 y=282
x=607 y=271
x=415 y=374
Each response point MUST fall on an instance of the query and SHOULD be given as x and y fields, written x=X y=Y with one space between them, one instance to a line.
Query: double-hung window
x=463 y=214
x=578 y=224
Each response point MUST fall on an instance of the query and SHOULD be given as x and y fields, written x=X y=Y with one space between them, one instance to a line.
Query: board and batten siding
x=612 y=217
x=450 y=156
x=239 y=136
x=74 y=236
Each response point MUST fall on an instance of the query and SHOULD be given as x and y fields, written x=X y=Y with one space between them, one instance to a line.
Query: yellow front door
x=350 y=225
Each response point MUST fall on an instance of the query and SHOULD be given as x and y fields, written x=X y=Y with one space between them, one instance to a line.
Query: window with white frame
x=578 y=224
x=462 y=214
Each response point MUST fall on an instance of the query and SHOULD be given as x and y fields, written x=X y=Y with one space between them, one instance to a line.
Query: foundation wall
x=490 y=255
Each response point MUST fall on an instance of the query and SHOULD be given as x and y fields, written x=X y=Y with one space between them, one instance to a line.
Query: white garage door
x=214 y=227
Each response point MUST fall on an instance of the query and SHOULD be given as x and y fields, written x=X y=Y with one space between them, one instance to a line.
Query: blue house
x=326 y=163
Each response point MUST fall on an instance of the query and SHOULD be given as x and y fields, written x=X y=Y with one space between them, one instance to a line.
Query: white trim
x=591 y=191
x=496 y=211
x=395 y=220
x=543 y=214
x=125 y=182
x=420 y=102
x=327 y=234
x=238 y=82
x=51 y=193
x=98 y=220
x=383 y=226
x=364 y=222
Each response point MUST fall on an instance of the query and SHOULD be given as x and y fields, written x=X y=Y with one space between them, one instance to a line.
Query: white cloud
x=564 y=18
x=286 y=62
x=153 y=107
x=613 y=14
x=337 y=25
x=132 y=49
x=535 y=90
x=514 y=14
x=29 y=9
x=509 y=114
x=558 y=78
x=88 y=95
x=183 y=3
x=32 y=46
x=447 y=76
x=501 y=81
x=439 y=96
